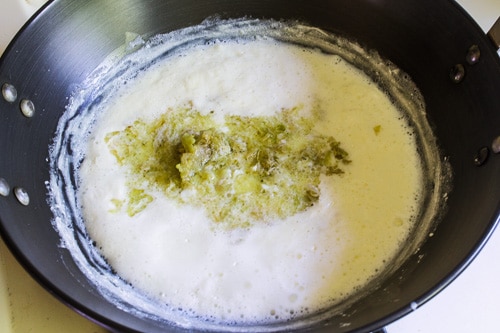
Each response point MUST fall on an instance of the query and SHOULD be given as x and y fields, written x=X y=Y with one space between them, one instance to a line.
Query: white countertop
x=469 y=304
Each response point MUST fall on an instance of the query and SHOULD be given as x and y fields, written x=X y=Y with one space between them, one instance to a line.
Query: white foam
x=171 y=255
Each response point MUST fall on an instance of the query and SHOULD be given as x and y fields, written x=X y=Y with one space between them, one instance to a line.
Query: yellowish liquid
x=282 y=269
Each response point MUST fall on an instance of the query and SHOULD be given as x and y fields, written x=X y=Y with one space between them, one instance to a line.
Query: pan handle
x=494 y=34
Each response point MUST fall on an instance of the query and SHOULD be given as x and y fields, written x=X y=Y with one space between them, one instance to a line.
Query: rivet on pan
x=473 y=55
x=4 y=187
x=27 y=108
x=457 y=73
x=481 y=156
x=22 y=196
x=495 y=146
x=9 y=92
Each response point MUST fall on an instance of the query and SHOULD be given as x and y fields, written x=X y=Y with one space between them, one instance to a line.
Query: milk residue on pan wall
x=275 y=272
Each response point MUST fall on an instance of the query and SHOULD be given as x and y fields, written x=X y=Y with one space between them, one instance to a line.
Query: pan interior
x=67 y=154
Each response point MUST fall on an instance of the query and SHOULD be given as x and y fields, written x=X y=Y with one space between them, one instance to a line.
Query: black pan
x=428 y=39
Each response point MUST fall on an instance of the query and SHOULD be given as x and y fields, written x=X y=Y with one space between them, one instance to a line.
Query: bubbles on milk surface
x=276 y=271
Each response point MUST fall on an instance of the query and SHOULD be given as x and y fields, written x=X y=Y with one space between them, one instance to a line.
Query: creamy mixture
x=177 y=261
x=277 y=269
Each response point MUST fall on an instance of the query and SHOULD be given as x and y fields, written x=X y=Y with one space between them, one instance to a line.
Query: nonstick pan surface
x=67 y=40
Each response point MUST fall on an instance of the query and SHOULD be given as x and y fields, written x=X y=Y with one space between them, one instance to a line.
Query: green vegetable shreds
x=241 y=170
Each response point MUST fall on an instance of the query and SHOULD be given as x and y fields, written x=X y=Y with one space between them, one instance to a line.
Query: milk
x=274 y=271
